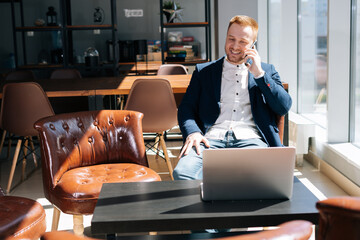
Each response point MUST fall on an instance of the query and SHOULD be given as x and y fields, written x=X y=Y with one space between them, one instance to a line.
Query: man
x=230 y=102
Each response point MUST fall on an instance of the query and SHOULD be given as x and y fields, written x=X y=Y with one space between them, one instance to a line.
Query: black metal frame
x=66 y=31
x=207 y=30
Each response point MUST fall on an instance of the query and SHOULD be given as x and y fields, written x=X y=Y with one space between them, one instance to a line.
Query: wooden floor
x=318 y=183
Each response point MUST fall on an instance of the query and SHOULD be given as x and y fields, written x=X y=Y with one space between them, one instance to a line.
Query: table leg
x=95 y=102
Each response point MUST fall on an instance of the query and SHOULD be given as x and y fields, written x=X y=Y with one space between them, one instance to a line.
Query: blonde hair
x=243 y=20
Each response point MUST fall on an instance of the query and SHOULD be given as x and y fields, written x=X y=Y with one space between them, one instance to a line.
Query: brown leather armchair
x=293 y=230
x=339 y=218
x=20 y=218
x=81 y=151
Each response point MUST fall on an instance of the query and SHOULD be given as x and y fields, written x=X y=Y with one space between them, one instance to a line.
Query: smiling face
x=238 y=39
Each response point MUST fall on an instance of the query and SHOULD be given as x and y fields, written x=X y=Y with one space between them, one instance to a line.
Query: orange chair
x=154 y=98
x=80 y=151
x=62 y=235
x=20 y=218
x=22 y=105
x=339 y=218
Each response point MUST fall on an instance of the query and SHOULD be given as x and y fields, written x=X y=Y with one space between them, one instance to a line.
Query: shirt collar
x=230 y=66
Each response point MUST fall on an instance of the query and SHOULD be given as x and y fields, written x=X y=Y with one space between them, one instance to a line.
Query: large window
x=355 y=113
x=312 y=59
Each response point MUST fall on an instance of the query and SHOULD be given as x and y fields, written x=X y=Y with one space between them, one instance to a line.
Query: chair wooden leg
x=13 y=166
x=25 y=148
x=78 y=225
x=121 y=100
x=55 y=220
x=33 y=151
x=167 y=159
x=2 y=140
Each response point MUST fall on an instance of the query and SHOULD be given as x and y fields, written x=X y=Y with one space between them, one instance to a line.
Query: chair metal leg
x=157 y=146
x=33 y=151
x=13 y=166
x=78 y=225
x=25 y=148
x=167 y=159
x=55 y=220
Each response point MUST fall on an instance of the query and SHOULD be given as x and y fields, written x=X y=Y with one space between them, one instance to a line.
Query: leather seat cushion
x=65 y=235
x=21 y=218
x=78 y=189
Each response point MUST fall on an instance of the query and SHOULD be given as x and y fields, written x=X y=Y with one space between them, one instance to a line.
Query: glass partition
x=312 y=62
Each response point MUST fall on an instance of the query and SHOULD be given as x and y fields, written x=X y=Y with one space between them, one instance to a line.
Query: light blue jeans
x=190 y=166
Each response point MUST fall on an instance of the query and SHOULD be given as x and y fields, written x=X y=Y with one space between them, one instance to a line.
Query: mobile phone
x=249 y=61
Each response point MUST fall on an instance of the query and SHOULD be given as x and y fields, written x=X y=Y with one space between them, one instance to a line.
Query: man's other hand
x=194 y=139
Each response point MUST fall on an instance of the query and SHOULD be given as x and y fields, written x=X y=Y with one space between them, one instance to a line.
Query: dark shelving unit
x=66 y=29
x=206 y=24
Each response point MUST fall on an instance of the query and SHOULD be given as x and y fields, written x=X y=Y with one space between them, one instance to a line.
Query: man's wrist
x=191 y=134
x=260 y=75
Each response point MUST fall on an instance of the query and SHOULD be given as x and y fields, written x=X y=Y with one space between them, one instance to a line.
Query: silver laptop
x=248 y=173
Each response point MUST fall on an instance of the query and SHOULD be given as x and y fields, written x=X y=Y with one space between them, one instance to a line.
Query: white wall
x=229 y=8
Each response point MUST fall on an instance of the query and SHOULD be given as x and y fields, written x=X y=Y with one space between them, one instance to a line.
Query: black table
x=176 y=205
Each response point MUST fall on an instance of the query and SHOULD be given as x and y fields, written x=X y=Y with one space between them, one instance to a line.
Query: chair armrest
x=63 y=235
x=299 y=229
x=345 y=203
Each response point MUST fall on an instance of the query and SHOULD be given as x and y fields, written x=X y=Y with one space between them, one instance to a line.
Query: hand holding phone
x=249 y=61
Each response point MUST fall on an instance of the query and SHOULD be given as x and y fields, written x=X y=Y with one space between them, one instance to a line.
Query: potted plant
x=172 y=11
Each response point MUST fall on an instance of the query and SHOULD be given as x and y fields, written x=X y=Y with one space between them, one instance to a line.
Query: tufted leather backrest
x=80 y=139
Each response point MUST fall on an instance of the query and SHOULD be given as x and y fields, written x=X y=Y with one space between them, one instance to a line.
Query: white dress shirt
x=235 y=110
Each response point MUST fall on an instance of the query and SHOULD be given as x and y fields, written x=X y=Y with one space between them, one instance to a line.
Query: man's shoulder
x=215 y=63
x=267 y=66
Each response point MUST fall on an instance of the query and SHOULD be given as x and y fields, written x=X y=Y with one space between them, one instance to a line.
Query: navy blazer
x=200 y=106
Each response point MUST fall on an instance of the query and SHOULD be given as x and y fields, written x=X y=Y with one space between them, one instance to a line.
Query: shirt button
x=236 y=74
x=238 y=65
x=234 y=110
x=237 y=81
x=237 y=93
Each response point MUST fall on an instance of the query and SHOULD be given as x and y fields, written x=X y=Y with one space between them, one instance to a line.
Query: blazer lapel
x=216 y=78
x=251 y=85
